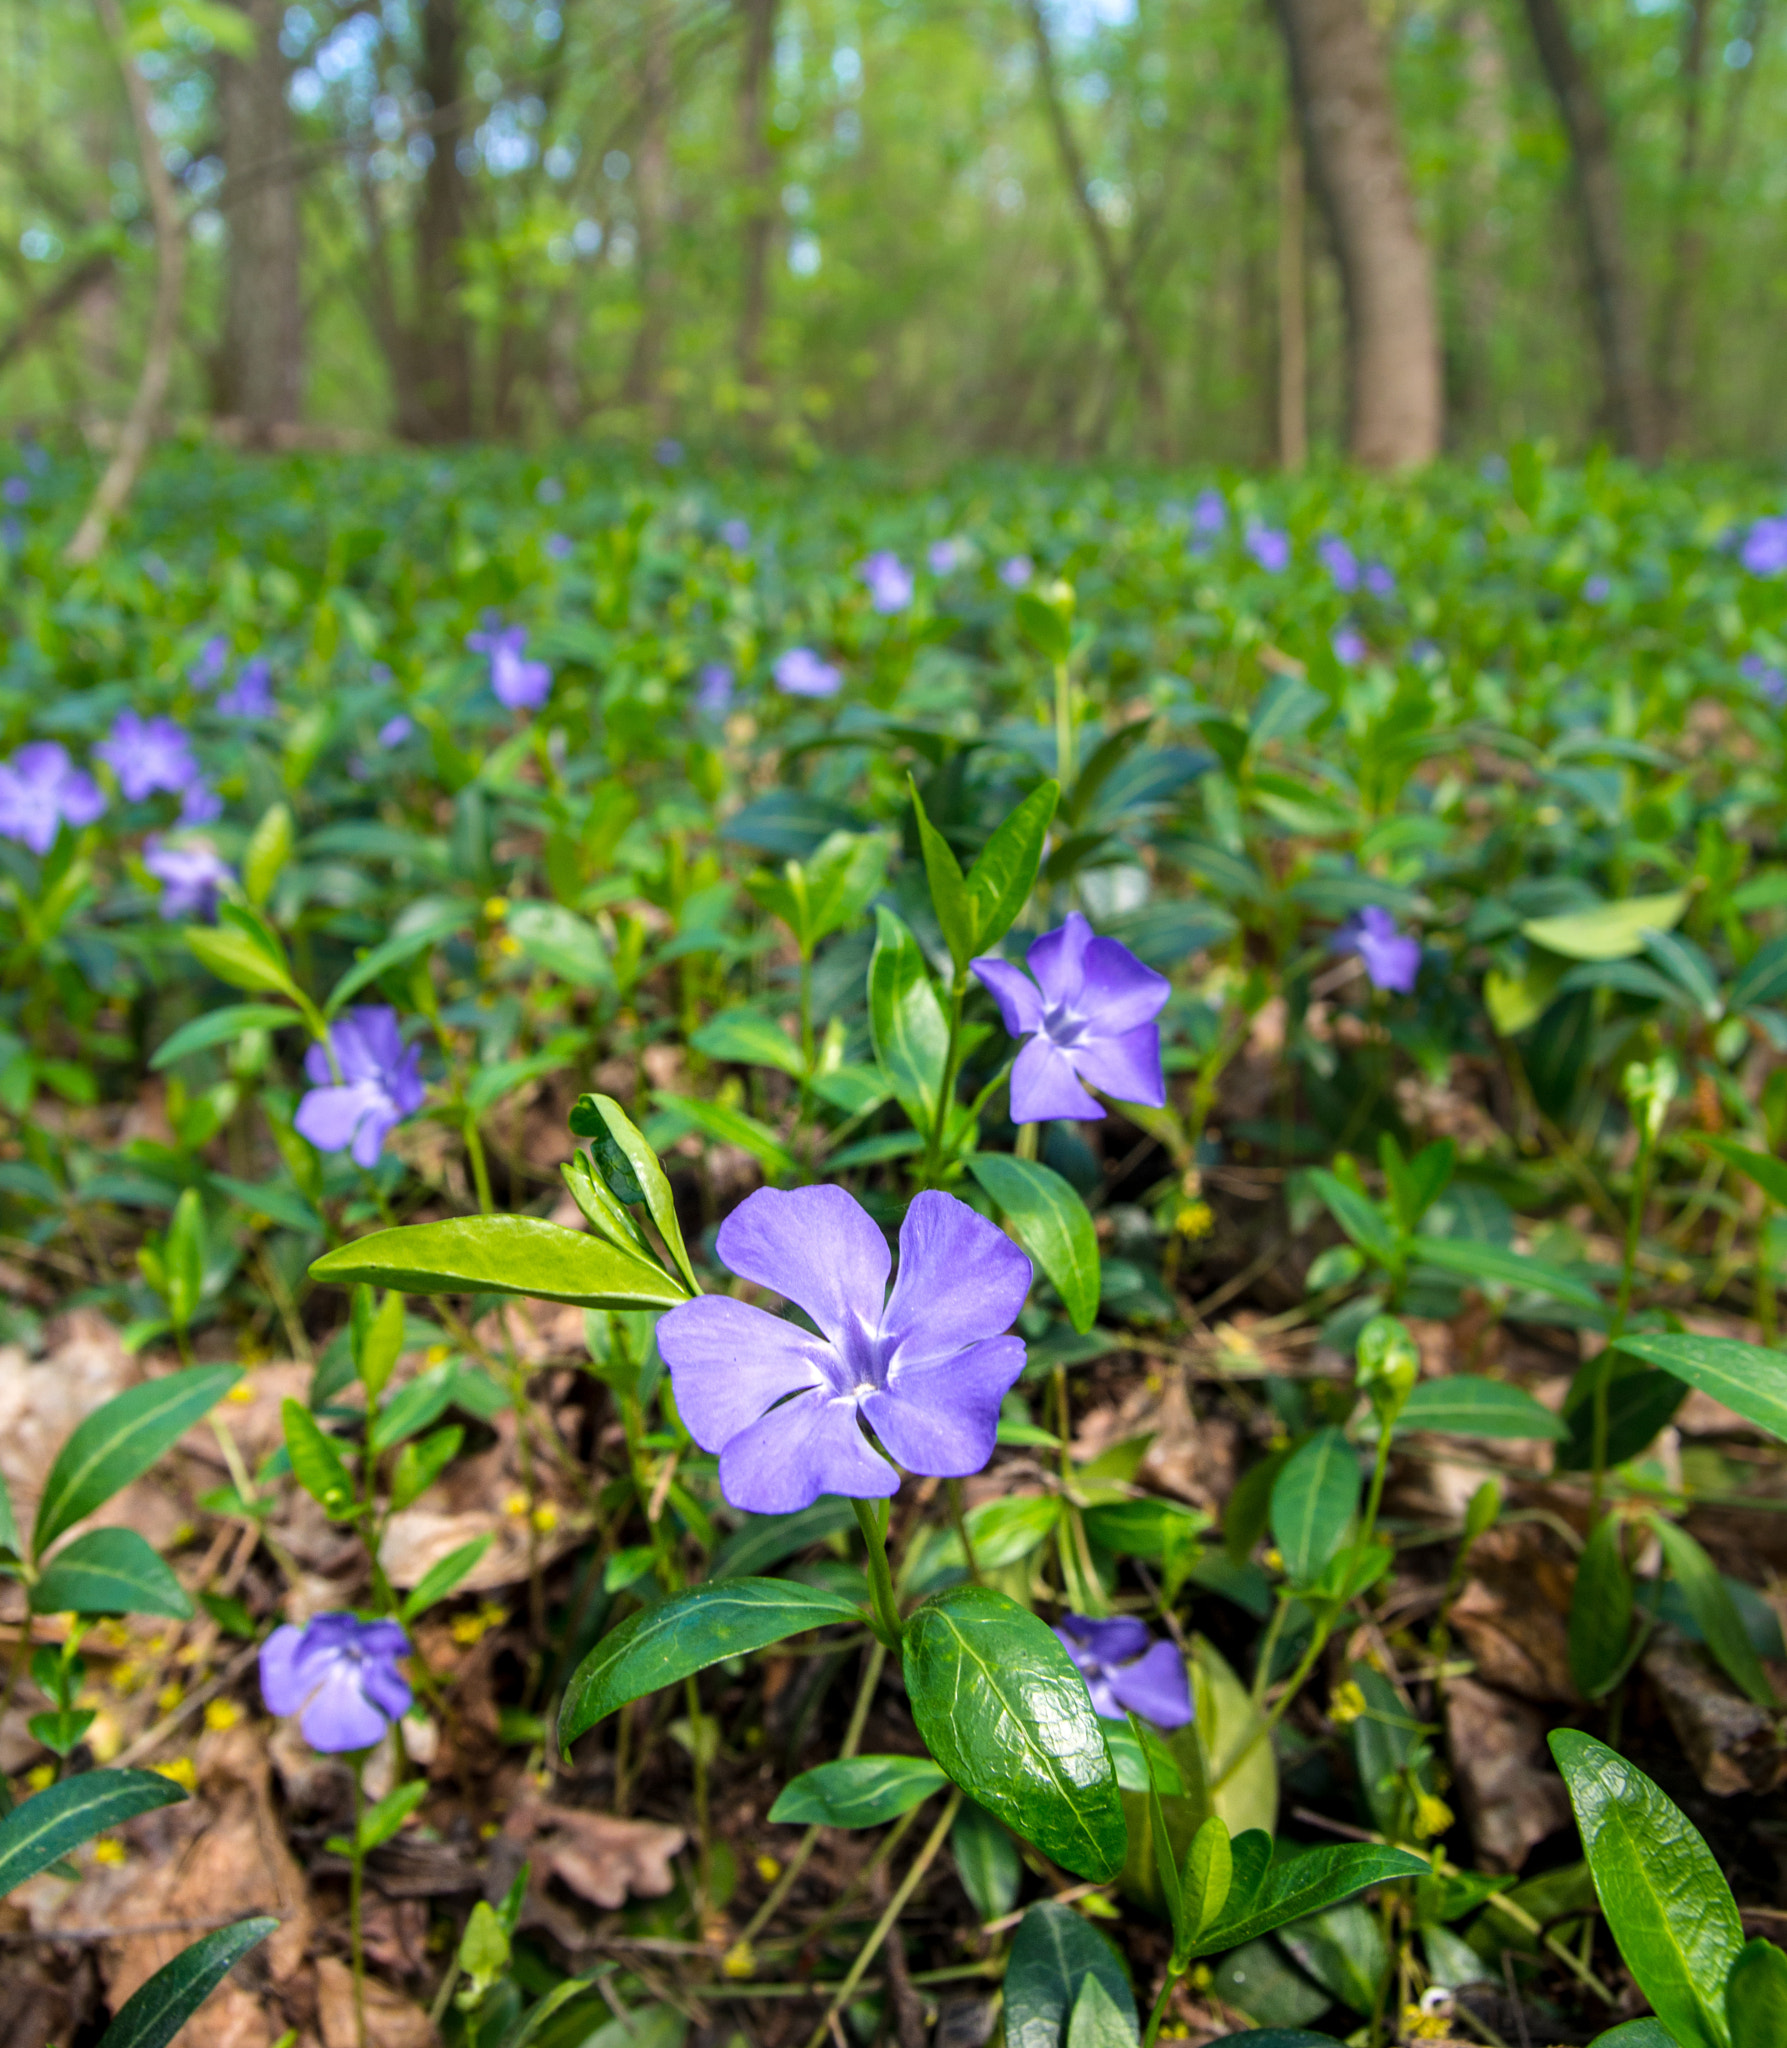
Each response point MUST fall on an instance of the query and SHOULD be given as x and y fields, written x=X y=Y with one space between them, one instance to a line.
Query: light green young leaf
x=1051 y=1223
x=906 y=1020
x=441 y=1577
x=1715 y=1612
x=1097 y=2021
x=1314 y=1498
x=1756 y=1994
x=379 y=1823
x=597 y=1116
x=316 y=1463
x=857 y=1791
x=502 y=1255
x=949 y=892
x=1000 y=881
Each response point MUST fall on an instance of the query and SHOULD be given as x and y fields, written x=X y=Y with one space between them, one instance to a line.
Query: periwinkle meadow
x=805 y=1258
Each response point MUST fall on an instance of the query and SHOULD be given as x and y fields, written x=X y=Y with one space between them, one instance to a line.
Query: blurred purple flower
x=12 y=533
x=1270 y=548
x=549 y=491
x=1392 y=958
x=199 y=803
x=889 y=581
x=801 y=673
x=16 y=491
x=339 y=1675
x=1128 y=1670
x=668 y=452
x=559 y=546
x=396 y=729
x=945 y=557
x=40 y=787
x=1091 y=1008
x=736 y=534
x=1340 y=562
x=212 y=660
x=191 y=879
x=1016 y=572
x=713 y=696
x=380 y=1084
x=517 y=683
x=925 y=1367
x=1771 y=681
x=1379 y=579
x=147 y=754
x=1209 y=511
x=251 y=694
x=1597 y=590
x=1764 y=550
x=1349 y=645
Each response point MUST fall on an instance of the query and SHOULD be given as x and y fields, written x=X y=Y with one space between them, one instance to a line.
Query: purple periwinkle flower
x=199 y=803
x=925 y=1367
x=1016 y=571
x=212 y=659
x=1209 y=511
x=517 y=683
x=191 y=878
x=945 y=557
x=396 y=729
x=1380 y=580
x=12 y=534
x=1764 y=549
x=736 y=534
x=1597 y=590
x=713 y=695
x=380 y=1084
x=1340 y=562
x=16 y=491
x=1128 y=1670
x=251 y=694
x=1771 y=681
x=1349 y=646
x=889 y=580
x=40 y=787
x=147 y=754
x=339 y=1675
x=1091 y=1008
x=559 y=546
x=801 y=673
x=1392 y=958
x=669 y=451
x=1270 y=548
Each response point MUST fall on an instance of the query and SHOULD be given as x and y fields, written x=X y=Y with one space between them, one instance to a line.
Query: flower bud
x=1389 y=1365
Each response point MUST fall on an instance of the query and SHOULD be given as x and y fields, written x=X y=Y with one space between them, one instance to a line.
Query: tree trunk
x=1675 y=313
x=1293 y=325
x=651 y=186
x=438 y=404
x=1634 y=414
x=1340 y=81
x=262 y=380
x=757 y=226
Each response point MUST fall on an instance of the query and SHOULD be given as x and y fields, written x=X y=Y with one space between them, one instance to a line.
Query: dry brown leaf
x=602 y=1857
x=1510 y=1797
x=391 y=2020
x=84 y=1364
x=1513 y=1613
x=1729 y=1740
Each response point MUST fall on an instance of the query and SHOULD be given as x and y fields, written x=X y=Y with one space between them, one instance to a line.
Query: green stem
x=1641 y=1174
x=1293 y=1685
x=888 y=1627
x=960 y=1520
x=1765 y=1279
x=1160 y=2006
x=1065 y=770
x=946 y=1091
x=474 y=1151
x=355 y=1883
x=1379 y=1472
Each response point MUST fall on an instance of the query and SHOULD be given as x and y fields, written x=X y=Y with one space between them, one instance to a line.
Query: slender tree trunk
x=1675 y=311
x=757 y=226
x=651 y=185
x=1340 y=81
x=1293 y=325
x=1634 y=414
x=438 y=406
x=263 y=328
x=164 y=321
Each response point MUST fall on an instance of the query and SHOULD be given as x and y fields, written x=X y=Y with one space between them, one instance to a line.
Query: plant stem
x=1765 y=1279
x=474 y=1151
x=355 y=1880
x=1065 y=770
x=1641 y=1174
x=946 y=1088
x=954 y=1495
x=1160 y=2005
x=881 y=1592
x=703 y=1831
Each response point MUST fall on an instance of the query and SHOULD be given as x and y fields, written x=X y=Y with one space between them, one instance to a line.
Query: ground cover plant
x=799 y=1259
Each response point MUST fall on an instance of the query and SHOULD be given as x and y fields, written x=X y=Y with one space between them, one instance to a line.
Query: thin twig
x=152 y=1740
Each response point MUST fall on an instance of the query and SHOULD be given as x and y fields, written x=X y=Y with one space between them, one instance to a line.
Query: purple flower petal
x=1044 y=1087
x=816 y=1247
x=1058 y=958
x=1126 y=1067
x=1155 y=1686
x=941 y=1417
x=961 y=1279
x=1020 y=1002
x=282 y=1685
x=730 y=1363
x=339 y=1716
x=810 y=1445
x=330 y=1117
x=1118 y=989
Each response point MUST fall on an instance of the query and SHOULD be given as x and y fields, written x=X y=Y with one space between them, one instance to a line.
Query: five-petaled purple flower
x=1392 y=958
x=889 y=580
x=1764 y=550
x=191 y=878
x=381 y=1083
x=210 y=663
x=1091 y=1007
x=801 y=673
x=339 y=1675
x=1128 y=1670
x=517 y=683
x=1270 y=548
x=1016 y=572
x=713 y=693
x=251 y=694
x=1340 y=562
x=39 y=788
x=148 y=754
x=925 y=1367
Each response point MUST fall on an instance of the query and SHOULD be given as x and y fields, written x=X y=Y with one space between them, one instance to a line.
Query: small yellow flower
x=108 y=1850
x=179 y=1769
x=41 y=1778
x=496 y=907
x=545 y=1518
x=489 y=1831
x=242 y=1393
x=516 y=1504
x=222 y=1714
x=1195 y=1220
x=508 y=945
x=1275 y=1560
x=1424 y=2026
x=1432 y=1816
x=1202 y=1977
x=740 y=1960
x=1345 y=1704
x=155 y=1645
x=768 y=1869
x=127 y=1677
x=436 y=1354
x=170 y=1696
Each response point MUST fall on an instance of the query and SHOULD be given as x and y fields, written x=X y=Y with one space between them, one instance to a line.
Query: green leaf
x=1314 y=1498
x=10 y=1543
x=1000 y=881
x=156 y=2011
x=428 y=930
x=1473 y=1260
x=379 y=1823
x=562 y=942
x=243 y=962
x=1046 y=628
x=1053 y=1953
x=1601 y=1613
x=119 y=1441
x=1097 y=2020
x=502 y=1255
x=987 y=1861
x=842 y=874
x=1345 y=1952
x=1278 y=2037
x=906 y=1021
x=221 y=1027
x=1768 y=1172
x=183 y=1258
x=595 y=1116
x=730 y=1127
x=1715 y=1613
x=764 y=1540
x=949 y=893
x=687 y=1633
x=747 y=1038
x=316 y=1462
x=419 y=1465
x=1746 y=1377
x=1636 y=2034
x=1300 y=1885
x=1611 y=931
x=1209 y=1872
x=377 y=1335
x=269 y=848
x=1640 y=1400
x=1166 y=1855
x=858 y=1791
x=1003 y=1710
x=1360 y=1217
x=1052 y=1224
x=42 y=1829
x=441 y=1577
x=1011 y=1527
x=1665 y=1897
x=109 y=1571
x=1467 y=1404
x=1756 y=1994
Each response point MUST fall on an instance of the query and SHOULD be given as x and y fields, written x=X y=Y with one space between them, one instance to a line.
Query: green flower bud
x=1389 y=1365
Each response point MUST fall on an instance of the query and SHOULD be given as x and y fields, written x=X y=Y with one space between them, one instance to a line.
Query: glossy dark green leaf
x=1472 y=1260
x=1052 y=1223
x=1097 y=2020
x=316 y=1463
x=949 y=892
x=1601 y=1613
x=1052 y=1954
x=1715 y=1612
x=601 y=1115
x=1636 y=2034
x=1345 y=1952
x=1746 y=1377
x=1756 y=1994
x=1299 y=1885
x=857 y=1791
x=1666 y=1899
x=764 y=1540
x=119 y=1441
x=1314 y=1498
x=42 y=1829
x=1276 y=2037
x=986 y=1860
x=502 y=1255
x=687 y=1633
x=156 y=2011
x=1000 y=881
x=906 y=1020
x=1640 y=1401
x=109 y=1571
x=1467 y=1404
x=221 y=1027
x=1003 y=1710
